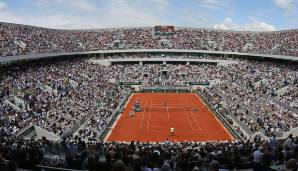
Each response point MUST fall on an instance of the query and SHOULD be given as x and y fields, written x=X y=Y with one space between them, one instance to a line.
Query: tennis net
x=167 y=109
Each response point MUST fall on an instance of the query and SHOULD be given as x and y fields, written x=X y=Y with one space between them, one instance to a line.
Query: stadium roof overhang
x=108 y=62
x=50 y=55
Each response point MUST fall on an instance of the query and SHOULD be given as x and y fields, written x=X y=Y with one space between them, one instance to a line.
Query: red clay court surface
x=154 y=122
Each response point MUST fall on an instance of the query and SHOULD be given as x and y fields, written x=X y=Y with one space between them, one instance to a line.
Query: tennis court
x=162 y=111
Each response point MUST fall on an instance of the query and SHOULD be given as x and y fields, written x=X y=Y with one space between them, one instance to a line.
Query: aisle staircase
x=33 y=131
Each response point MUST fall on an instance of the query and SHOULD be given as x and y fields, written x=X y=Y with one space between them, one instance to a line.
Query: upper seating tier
x=18 y=39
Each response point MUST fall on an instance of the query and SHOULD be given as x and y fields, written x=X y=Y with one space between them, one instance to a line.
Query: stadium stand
x=22 y=40
x=74 y=100
x=166 y=156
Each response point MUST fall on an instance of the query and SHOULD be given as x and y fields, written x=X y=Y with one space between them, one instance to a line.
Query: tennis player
x=131 y=113
x=195 y=109
x=172 y=131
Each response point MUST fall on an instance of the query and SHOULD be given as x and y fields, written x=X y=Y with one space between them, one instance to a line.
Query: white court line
x=193 y=115
x=205 y=105
x=148 y=124
x=186 y=115
x=143 y=114
x=168 y=113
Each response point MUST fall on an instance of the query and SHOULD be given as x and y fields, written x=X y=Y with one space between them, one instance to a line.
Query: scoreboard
x=163 y=30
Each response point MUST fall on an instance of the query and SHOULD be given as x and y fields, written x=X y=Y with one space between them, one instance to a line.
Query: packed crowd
x=66 y=94
x=76 y=98
x=162 y=75
x=21 y=40
x=58 y=96
x=248 y=90
x=257 y=155
x=291 y=97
